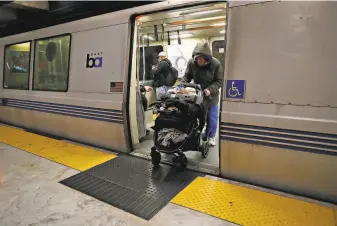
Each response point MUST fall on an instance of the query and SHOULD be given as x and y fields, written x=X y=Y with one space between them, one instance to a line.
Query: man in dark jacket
x=206 y=71
x=162 y=75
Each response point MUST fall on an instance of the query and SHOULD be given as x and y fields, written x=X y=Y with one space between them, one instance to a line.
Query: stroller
x=179 y=125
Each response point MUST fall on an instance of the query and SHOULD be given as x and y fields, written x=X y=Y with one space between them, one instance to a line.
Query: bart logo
x=94 y=62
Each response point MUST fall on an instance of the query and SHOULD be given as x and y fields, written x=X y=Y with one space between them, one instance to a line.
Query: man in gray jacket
x=206 y=71
x=162 y=75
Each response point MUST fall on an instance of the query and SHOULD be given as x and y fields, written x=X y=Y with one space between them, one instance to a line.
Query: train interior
x=176 y=32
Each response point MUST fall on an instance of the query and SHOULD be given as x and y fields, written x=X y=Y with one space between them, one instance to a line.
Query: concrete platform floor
x=30 y=195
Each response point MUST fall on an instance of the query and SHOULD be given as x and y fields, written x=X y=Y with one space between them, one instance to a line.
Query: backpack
x=173 y=78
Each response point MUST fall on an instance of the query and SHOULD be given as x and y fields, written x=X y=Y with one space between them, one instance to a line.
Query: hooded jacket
x=163 y=73
x=209 y=76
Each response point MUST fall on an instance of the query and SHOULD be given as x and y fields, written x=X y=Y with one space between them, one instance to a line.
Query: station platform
x=46 y=181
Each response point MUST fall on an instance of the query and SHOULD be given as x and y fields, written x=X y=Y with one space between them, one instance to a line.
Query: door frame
x=131 y=42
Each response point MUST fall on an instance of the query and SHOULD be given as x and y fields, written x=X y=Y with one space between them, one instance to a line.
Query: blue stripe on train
x=273 y=129
x=281 y=138
x=108 y=115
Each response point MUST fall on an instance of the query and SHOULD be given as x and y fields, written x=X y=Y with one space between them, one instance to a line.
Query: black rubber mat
x=132 y=184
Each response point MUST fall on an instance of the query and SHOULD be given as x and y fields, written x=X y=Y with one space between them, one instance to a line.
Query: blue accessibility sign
x=235 y=89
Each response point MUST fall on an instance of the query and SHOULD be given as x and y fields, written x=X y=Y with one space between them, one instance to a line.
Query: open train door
x=176 y=31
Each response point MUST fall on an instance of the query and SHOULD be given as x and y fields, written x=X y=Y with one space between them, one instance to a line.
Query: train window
x=17 y=66
x=51 y=65
x=218 y=50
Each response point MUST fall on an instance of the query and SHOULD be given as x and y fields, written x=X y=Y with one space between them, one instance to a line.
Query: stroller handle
x=195 y=86
x=191 y=85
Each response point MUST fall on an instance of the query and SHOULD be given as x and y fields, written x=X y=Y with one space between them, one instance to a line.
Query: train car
x=278 y=118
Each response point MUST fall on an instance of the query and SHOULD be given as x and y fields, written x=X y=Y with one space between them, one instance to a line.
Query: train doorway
x=176 y=33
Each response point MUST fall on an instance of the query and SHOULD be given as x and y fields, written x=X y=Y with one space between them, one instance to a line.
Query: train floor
x=44 y=181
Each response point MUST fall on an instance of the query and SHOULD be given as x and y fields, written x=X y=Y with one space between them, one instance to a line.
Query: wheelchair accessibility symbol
x=235 y=89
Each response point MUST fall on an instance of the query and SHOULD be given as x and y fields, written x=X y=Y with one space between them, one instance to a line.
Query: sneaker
x=211 y=141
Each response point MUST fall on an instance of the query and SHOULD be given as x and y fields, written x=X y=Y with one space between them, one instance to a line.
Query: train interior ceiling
x=176 y=32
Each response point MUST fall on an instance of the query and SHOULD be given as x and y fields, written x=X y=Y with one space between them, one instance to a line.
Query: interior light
x=148 y=37
x=182 y=36
x=198 y=20
x=222 y=32
x=203 y=12
x=21 y=46
x=218 y=24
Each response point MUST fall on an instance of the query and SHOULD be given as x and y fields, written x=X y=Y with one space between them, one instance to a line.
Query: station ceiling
x=22 y=16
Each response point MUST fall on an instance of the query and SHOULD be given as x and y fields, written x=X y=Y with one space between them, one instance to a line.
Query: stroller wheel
x=180 y=162
x=205 y=149
x=155 y=158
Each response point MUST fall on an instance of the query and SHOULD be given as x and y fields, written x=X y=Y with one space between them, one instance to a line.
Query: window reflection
x=17 y=66
x=51 y=67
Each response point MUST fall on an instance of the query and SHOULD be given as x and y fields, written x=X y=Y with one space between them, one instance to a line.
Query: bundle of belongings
x=169 y=136
x=178 y=90
x=173 y=125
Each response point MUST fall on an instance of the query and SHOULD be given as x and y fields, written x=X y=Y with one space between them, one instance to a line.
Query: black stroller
x=179 y=125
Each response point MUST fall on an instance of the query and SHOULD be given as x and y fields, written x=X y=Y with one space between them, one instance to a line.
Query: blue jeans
x=212 y=121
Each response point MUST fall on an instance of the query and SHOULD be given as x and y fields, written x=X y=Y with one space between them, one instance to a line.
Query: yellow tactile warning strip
x=246 y=206
x=74 y=156
x=155 y=116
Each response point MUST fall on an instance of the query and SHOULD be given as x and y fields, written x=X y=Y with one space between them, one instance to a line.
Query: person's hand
x=181 y=80
x=148 y=88
x=207 y=92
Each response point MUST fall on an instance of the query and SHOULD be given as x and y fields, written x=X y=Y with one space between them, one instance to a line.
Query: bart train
x=278 y=115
